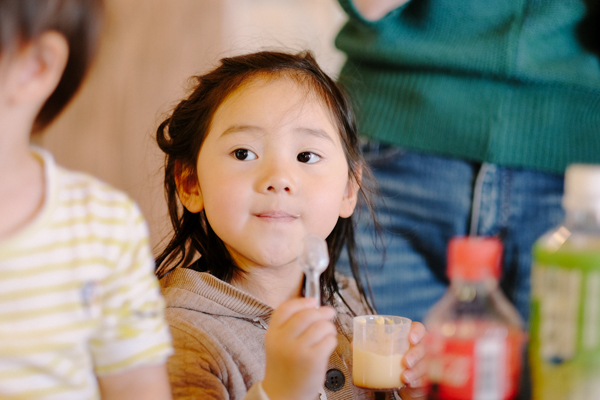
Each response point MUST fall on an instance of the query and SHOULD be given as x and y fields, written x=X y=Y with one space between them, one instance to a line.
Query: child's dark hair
x=181 y=136
x=79 y=21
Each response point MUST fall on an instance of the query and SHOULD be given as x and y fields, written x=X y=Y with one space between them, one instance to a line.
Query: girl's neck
x=269 y=285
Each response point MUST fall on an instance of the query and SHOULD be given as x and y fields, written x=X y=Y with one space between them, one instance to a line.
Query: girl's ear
x=188 y=189
x=351 y=195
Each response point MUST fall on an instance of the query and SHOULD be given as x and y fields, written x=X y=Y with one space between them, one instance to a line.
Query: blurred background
x=148 y=50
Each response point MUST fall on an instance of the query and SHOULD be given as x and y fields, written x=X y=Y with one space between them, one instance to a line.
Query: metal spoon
x=313 y=258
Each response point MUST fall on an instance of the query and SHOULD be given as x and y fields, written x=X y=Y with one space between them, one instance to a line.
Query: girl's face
x=271 y=170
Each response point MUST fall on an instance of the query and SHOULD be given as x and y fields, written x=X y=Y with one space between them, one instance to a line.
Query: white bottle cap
x=582 y=187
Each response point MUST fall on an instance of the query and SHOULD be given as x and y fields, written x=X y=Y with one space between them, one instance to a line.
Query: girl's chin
x=266 y=258
x=278 y=263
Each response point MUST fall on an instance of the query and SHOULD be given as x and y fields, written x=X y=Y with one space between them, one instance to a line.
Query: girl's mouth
x=277 y=215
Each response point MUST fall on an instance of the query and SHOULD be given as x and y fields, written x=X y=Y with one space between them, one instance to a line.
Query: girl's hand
x=298 y=344
x=413 y=375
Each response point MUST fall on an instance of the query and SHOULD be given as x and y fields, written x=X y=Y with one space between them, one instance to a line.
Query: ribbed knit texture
x=502 y=82
x=218 y=335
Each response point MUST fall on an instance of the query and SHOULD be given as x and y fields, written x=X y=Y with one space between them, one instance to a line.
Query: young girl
x=263 y=152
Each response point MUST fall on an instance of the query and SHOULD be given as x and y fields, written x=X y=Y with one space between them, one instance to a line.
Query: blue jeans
x=426 y=200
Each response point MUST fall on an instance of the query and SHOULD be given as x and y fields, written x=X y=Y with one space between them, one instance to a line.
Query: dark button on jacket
x=334 y=380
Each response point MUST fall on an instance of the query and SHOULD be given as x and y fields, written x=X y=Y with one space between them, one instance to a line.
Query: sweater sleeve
x=195 y=371
x=133 y=331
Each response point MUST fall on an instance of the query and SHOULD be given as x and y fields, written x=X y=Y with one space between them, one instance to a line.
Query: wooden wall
x=148 y=50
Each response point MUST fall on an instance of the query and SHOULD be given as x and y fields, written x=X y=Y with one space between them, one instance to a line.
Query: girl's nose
x=277 y=178
x=279 y=187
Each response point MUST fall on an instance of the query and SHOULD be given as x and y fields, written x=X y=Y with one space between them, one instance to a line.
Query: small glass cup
x=379 y=343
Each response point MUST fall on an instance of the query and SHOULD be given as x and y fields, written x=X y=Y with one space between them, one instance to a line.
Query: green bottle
x=565 y=296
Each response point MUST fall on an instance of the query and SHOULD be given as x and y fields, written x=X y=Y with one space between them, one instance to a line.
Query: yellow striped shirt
x=78 y=297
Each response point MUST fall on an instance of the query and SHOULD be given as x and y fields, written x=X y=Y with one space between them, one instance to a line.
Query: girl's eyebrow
x=240 y=128
x=320 y=133
x=317 y=132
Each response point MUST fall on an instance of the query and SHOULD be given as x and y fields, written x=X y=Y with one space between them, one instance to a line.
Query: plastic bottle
x=475 y=335
x=565 y=308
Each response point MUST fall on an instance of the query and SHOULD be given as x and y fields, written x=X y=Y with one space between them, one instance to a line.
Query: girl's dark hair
x=79 y=21
x=181 y=136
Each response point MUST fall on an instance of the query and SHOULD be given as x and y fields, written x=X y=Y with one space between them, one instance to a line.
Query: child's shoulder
x=76 y=206
x=68 y=188
x=89 y=188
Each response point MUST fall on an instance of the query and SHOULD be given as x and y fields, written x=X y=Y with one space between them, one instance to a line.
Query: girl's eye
x=308 y=157
x=244 y=155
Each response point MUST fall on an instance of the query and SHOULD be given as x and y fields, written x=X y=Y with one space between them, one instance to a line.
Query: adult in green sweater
x=472 y=110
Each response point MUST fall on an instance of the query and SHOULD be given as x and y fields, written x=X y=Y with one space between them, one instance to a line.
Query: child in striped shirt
x=81 y=315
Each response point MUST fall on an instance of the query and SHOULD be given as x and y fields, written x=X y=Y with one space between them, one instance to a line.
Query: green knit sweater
x=504 y=82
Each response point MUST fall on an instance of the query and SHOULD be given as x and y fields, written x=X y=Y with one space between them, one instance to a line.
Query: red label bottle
x=475 y=335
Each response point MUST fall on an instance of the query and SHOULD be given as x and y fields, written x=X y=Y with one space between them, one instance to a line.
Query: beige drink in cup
x=379 y=344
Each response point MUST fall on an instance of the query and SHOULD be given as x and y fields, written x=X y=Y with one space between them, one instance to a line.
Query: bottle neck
x=473 y=301
x=472 y=298
x=466 y=290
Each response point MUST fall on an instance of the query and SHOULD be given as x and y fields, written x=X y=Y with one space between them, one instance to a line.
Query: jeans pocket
x=378 y=154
